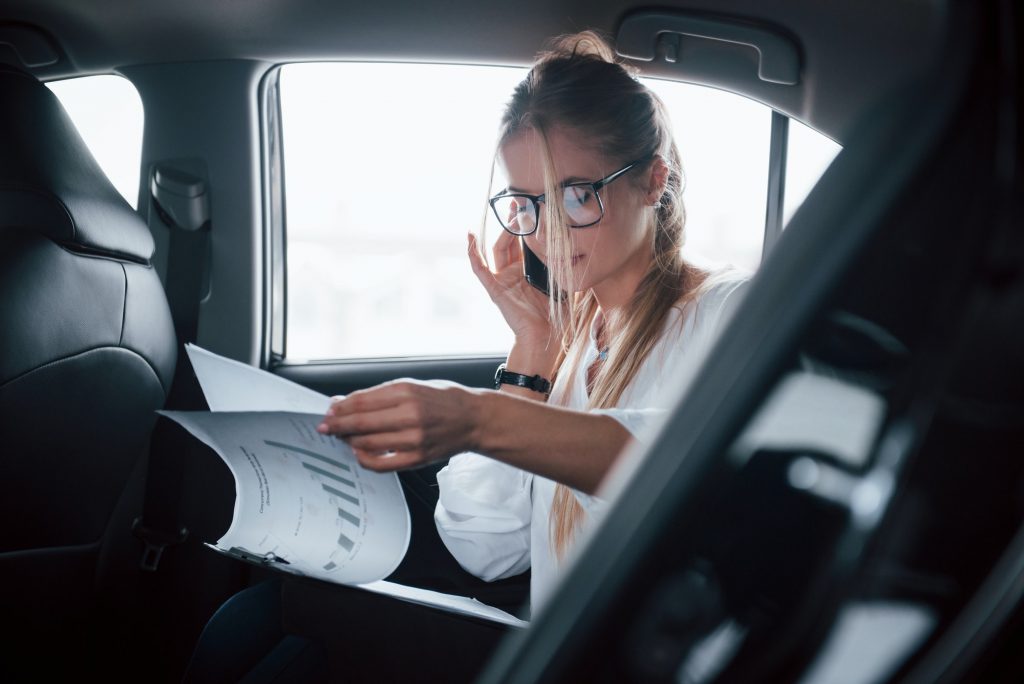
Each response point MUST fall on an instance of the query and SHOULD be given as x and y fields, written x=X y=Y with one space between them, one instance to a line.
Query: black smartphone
x=534 y=270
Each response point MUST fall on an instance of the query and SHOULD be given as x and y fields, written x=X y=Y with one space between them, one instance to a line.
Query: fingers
x=386 y=462
x=368 y=422
x=506 y=251
x=372 y=399
x=480 y=269
x=410 y=439
x=369 y=410
x=378 y=422
x=401 y=424
x=515 y=251
x=473 y=250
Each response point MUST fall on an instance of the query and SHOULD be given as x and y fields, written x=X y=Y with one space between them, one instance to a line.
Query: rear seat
x=87 y=356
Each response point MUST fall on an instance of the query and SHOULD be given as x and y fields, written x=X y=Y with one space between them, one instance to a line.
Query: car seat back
x=87 y=354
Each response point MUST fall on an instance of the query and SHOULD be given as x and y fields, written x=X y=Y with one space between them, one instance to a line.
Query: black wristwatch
x=530 y=382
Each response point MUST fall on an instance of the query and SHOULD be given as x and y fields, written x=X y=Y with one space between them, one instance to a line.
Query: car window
x=107 y=112
x=723 y=141
x=386 y=169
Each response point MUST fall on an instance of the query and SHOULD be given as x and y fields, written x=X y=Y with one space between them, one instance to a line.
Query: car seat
x=87 y=354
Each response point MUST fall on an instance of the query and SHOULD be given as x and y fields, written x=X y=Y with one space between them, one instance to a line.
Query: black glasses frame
x=537 y=199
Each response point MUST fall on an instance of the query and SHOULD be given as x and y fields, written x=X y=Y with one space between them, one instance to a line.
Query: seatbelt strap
x=187 y=281
x=179 y=197
x=180 y=201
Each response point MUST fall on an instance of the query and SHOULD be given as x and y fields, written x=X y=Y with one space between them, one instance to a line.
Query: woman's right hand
x=524 y=307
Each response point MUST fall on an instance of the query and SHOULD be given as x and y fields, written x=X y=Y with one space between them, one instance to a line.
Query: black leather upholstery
x=50 y=182
x=87 y=347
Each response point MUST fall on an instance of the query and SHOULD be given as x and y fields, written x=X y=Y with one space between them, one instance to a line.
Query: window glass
x=107 y=112
x=723 y=141
x=387 y=169
x=807 y=157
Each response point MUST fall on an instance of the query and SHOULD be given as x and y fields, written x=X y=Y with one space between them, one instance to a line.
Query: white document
x=229 y=385
x=302 y=496
x=450 y=602
x=302 y=499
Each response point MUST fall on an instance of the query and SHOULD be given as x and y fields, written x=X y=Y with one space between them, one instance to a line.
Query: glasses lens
x=581 y=205
x=517 y=214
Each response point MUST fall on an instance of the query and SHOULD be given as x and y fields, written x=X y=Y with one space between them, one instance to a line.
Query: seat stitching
x=72 y=357
x=88 y=546
x=124 y=306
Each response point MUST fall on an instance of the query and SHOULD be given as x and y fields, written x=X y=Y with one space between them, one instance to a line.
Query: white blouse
x=494 y=518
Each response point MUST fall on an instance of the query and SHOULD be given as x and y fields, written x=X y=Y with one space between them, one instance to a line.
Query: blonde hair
x=577 y=85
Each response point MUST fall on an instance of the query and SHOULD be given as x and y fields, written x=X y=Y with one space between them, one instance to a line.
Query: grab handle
x=643 y=35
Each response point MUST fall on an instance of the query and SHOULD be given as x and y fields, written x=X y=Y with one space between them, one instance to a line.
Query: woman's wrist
x=530 y=357
x=497 y=418
x=484 y=420
x=527 y=365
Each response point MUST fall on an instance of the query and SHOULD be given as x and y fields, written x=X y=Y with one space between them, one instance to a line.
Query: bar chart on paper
x=338 y=481
x=303 y=504
x=302 y=496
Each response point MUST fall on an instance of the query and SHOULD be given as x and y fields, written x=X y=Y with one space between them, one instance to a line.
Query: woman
x=595 y=184
x=594 y=191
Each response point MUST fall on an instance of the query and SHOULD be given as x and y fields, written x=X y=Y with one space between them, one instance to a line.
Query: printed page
x=232 y=386
x=302 y=496
x=453 y=604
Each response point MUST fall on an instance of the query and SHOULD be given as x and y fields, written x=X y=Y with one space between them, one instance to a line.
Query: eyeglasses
x=519 y=213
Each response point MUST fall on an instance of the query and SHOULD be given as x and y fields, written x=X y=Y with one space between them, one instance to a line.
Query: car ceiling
x=853 y=51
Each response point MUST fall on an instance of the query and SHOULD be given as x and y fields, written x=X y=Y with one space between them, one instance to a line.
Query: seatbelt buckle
x=155 y=541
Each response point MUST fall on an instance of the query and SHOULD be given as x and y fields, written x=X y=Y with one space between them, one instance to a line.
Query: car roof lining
x=840 y=75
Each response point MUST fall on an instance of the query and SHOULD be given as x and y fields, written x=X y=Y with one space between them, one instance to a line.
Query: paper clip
x=269 y=558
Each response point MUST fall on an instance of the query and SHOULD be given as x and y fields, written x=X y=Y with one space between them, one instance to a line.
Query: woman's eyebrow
x=568 y=181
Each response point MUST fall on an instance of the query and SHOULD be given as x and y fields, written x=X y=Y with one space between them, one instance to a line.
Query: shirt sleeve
x=676 y=368
x=483 y=515
x=683 y=362
x=642 y=423
x=723 y=304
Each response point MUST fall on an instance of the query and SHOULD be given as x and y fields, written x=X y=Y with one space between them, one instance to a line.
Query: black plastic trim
x=775 y=206
x=275 y=244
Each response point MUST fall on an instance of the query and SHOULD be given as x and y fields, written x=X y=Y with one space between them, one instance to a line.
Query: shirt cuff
x=481 y=494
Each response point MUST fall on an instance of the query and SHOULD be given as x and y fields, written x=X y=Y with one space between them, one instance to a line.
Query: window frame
x=273 y=347
x=778 y=147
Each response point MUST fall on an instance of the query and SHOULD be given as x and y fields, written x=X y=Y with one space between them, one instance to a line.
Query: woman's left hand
x=405 y=423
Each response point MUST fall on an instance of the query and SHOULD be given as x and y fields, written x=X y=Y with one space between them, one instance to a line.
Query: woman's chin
x=576 y=287
x=580 y=279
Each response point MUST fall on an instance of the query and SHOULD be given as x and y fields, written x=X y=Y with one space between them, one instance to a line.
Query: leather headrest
x=49 y=181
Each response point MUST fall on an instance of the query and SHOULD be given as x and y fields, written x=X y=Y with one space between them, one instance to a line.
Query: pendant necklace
x=602 y=352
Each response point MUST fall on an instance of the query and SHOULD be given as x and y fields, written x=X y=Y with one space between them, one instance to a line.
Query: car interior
x=837 y=495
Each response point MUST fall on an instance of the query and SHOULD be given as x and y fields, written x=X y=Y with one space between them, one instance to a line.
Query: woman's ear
x=657 y=180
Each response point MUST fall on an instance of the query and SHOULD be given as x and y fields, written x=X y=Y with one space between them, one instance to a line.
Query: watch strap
x=530 y=382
